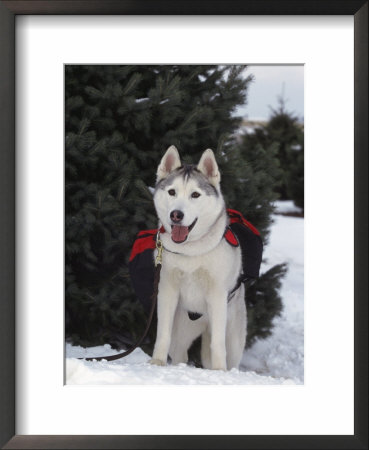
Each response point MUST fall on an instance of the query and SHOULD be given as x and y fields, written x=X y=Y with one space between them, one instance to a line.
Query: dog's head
x=187 y=198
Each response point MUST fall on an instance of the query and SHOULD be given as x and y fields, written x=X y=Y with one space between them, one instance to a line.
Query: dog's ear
x=209 y=167
x=169 y=162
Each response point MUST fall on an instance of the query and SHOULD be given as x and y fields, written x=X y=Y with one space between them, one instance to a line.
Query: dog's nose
x=176 y=215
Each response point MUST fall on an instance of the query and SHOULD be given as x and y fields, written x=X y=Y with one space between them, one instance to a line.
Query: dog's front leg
x=167 y=303
x=217 y=310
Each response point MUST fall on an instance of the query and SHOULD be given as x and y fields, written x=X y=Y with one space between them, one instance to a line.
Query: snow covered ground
x=282 y=354
x=286 y=207
x=276 y=360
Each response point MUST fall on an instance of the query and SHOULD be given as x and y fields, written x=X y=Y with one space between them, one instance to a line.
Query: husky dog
x=199 y=268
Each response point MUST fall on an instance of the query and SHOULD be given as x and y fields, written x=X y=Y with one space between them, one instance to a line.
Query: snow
x=135 y=369
x=296 y=147
x=246 y=130
x=278 y=359
x=143 y=99
x=164 y=101
x=286 y=206
x=282 y=354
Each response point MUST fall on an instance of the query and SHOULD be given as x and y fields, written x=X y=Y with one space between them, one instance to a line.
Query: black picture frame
x=8 y=12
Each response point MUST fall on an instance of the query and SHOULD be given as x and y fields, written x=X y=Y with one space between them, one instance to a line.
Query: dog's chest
x=193 y=290
x=195 y=277
x=192 y=278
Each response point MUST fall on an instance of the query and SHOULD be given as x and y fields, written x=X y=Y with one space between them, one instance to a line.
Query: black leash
x=154 y=299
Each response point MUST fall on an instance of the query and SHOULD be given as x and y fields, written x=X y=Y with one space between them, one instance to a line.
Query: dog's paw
x=157 y=362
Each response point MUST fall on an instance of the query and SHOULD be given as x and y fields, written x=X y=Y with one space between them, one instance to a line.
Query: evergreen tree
x=119 y=122
x=283 y=130
x=259 y=173
x=295 y=178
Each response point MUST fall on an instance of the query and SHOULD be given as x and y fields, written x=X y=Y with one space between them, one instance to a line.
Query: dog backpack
x=239 y=233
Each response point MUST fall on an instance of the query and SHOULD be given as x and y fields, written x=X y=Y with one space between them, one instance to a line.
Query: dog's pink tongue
x=179 y=233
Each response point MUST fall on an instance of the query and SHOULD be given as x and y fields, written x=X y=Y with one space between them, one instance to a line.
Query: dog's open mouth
x=180 y=232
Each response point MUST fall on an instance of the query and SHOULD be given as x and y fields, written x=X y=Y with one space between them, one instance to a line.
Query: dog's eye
x=195 y=195
x=172 y=192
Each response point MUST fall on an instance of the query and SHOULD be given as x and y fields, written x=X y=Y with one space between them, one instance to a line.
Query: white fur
x=199 y=275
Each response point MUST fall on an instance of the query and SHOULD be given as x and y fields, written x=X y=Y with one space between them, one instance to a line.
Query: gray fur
x=188 y=171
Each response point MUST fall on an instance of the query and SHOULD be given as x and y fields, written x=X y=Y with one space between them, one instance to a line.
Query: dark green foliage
x=263 y=303
x=119 y=122
x=257 y=172
x=295 y=180
x=284 y=131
